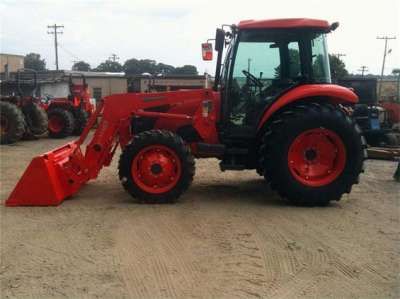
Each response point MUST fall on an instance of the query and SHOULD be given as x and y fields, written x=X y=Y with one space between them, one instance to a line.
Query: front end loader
x=272 y=108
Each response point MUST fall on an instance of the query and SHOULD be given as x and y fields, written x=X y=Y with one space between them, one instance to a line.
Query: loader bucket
x=48 y=180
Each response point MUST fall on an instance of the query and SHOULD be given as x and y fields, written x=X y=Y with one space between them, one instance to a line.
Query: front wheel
x=312 y=153
x=157 y=167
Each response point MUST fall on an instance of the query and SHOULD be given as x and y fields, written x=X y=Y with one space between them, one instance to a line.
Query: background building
x=100 y=84
x=11 y=62
x=148 y=83
x=56 y=83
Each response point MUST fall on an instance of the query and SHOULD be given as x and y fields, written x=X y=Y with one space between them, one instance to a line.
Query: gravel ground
x=230 y=236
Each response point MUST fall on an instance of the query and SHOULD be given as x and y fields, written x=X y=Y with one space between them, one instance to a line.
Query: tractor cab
x=78 y=90
x=264 y=60
x=79 y=94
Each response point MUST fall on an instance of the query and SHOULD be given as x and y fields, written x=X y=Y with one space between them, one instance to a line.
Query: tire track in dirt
x=319 y=257
x=204 y=259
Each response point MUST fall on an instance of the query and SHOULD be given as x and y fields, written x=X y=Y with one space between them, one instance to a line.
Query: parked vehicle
x=21 y=115
x=378 y=119
x=283 y=119
x=69 y=115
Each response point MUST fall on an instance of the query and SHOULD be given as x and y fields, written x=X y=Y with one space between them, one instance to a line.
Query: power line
x=68 y=52
x=363 y=69
x=338 y=55
x=114 y=57
x=55 y=31
x=385 y=38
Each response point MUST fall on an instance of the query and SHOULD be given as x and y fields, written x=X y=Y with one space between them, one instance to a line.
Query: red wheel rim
x=317 y=157
x=56 y=124
x=156 y=169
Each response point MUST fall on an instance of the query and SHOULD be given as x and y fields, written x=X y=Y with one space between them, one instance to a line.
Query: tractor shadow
x=252 y=191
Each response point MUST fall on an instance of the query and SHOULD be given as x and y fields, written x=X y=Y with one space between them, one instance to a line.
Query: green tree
x=81 y=66
x=109 y=66
x=186 y=70
x=164 y=68
x=294 y=64
x=33 y=61
x=134 y=66
x=338 y=68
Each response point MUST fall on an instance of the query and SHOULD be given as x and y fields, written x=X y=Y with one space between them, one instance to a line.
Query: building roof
x=95 y=74
x=16 y=55
x=284 y=24
x=59 y=76
x=166 y=77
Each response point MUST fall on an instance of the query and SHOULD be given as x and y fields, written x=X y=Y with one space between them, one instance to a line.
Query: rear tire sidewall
x=15 y=120
x=81 y=118
x=351 y=145
x=282 y=131
x=36 y=119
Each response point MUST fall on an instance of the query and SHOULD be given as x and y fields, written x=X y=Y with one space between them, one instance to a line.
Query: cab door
x=262 y=67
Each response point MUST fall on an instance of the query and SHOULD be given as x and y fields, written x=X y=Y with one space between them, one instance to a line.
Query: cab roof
x=285 y=24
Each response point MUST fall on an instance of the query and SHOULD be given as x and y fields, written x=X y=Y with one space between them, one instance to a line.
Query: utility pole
x=363 y=69
x=385 y=38
x=54 y=30
x=113 y=57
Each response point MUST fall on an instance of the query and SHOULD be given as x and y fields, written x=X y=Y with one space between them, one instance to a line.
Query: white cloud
x=171 y=31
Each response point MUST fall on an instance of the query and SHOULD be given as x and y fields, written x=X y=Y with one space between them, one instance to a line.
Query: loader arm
x=58 y=174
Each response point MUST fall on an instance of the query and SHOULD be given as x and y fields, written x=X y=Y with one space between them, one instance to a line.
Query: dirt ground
x=228 y=237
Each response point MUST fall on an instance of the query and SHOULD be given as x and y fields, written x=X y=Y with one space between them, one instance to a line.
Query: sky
x=171 y=31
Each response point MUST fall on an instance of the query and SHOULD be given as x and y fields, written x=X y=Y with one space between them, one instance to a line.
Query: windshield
x=320 y=59
x=266 y=63
x=289 y=57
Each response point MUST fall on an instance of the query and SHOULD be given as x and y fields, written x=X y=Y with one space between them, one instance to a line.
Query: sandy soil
x=229 y=237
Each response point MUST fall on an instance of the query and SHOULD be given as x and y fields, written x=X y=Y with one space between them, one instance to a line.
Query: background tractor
x=378 y=119
x=280 y=116
x=69 y=115
x=21 y=114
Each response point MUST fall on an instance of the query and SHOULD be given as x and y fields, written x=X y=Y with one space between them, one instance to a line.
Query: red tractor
x=69 y=115
x=267 y=111
x=20 y=113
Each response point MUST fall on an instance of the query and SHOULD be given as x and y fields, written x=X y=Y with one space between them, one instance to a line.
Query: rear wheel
x=35 y=119
x=12 y=123
x=81 y=118
x=312 y=154
x=157 y=167
x=61 y=122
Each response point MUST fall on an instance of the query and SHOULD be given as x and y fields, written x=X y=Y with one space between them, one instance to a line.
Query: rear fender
x=333 y=93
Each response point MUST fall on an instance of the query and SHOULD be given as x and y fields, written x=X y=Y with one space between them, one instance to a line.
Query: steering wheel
x=257 y=82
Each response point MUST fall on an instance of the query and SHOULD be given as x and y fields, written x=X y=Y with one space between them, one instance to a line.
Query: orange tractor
x=21 y=114
x=266 y=111
x=69 y=115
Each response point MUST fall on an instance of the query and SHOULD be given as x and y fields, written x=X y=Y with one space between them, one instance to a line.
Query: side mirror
x=219 y=39
x=207 y=51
